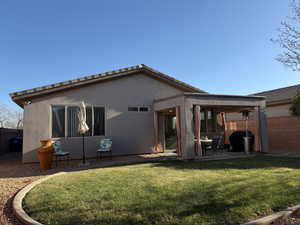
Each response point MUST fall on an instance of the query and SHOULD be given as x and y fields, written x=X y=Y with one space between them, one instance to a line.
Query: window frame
x=93 y=120
x=66 y=120
x=129 y=109
x=213 y=119
x=138 y=109
x=51 y=120
x=145 y=107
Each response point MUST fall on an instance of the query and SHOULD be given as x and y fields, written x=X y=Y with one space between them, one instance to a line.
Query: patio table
x=205 y=143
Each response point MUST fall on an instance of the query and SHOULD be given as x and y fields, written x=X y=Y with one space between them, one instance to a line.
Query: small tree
x=10 y=118
x=295 y=107
x=289 y=39
x=4 y=116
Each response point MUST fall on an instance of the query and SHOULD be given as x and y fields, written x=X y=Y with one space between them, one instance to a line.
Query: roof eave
x=225 y=95
x=18 y=97
x=279 y=102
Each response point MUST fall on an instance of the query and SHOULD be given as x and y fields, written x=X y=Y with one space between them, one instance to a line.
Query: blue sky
x=221 y=46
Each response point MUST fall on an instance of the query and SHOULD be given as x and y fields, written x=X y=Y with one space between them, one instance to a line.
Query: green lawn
x=169 y=192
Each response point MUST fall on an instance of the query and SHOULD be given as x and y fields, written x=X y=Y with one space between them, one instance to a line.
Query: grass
x=169 y=192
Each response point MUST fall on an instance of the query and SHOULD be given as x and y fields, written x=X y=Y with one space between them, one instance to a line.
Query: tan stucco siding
x=132 y=132
x=271 y=111
x=276 y=111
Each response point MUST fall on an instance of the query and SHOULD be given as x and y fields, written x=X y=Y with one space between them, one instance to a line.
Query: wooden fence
x=283 y=133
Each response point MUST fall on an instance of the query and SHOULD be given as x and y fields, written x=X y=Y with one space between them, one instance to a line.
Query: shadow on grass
x=215 y=203
x=10 y=167
x=257 y=162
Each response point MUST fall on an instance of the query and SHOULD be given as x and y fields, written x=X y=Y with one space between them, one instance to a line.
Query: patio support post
x=187 y=130
x=161 y=133
x=155 y=116
x=178 y=132
x=257 y=137
x=197 y=129
x=263 y=132
x=224 y=125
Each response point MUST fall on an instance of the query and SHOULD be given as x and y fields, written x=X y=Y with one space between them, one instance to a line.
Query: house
x=278 y=101
x=130 y=105
x=283 y=128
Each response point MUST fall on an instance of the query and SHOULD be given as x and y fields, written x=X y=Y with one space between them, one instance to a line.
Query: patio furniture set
x=216 y=143
x=105 y=147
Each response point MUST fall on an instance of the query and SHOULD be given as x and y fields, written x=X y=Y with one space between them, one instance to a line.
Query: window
x=58 y=121
x=133 y=109
x=203 y=122
x=144 y=109
x=174 y=122
x=99 y=121
x=95 y=119
x=89 y=120
x=138 y=108
x=72 y=115
x=210 y=121
x=209 y=115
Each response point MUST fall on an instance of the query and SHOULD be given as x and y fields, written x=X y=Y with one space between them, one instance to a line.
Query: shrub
x=295 y=107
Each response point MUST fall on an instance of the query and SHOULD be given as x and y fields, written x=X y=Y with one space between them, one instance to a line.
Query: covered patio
x=201 y=115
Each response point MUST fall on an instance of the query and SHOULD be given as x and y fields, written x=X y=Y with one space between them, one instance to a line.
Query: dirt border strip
x=18 y=199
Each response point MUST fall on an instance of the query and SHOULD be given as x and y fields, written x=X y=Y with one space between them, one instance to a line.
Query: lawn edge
x=23 y=217
x=18 y=210
x=275 y=217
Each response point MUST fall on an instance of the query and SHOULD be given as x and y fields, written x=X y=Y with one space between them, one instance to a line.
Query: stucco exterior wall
x=279 y=110
x=271 y=111
x=132 y=132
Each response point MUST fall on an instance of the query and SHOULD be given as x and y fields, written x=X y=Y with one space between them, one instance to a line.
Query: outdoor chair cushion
x=61 y=153
x=105 y=145
x=104 y=150
x=58 y=150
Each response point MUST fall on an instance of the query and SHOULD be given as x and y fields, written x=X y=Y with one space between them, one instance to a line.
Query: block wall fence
x=283 y=133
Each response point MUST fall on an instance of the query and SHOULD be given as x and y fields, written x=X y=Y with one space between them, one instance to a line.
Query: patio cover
x=185 y=108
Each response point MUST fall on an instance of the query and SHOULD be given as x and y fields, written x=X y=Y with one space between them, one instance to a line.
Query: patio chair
x=206 y=146
x=59 y=153
x=215 y=140
x=218 y=143
x=105 y=148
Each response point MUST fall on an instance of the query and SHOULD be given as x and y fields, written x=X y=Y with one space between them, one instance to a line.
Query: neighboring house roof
x=21 y=96
x=280 y=95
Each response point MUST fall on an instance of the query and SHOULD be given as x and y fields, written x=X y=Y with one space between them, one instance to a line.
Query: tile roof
x=100 y=77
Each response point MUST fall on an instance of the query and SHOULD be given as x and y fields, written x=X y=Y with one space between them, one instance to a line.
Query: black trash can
x=237 y=141
x=16 y=144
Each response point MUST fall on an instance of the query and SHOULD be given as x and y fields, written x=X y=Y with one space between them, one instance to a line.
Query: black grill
x=237 y=140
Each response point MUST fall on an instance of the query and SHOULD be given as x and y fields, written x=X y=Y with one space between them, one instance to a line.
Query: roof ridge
x=88 y=77
x=171 y=78
x=94 y=77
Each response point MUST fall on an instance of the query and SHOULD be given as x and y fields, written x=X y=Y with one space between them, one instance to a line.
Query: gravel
x=293 y=220
x=14 y=175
